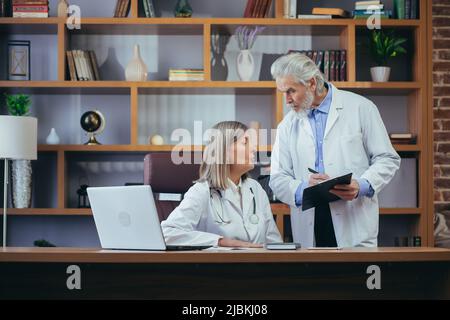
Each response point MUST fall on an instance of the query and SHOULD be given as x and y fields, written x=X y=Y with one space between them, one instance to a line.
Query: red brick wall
x=441 y=103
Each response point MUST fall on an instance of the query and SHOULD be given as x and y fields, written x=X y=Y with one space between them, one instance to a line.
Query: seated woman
x=224 y=207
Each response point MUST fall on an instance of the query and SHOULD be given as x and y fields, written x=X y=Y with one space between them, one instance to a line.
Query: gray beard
x=306 y=105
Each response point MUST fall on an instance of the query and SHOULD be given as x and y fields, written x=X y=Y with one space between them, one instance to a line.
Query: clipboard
x=320 y=193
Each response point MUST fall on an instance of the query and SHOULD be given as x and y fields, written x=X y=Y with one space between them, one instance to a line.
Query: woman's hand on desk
x=226 y=242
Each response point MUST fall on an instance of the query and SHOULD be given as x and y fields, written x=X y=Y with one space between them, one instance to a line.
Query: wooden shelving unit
x=418 y=90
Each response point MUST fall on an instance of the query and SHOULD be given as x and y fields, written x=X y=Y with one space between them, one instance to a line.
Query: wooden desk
x=254 y=274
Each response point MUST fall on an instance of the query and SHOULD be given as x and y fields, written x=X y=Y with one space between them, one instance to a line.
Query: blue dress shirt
x=318 y=119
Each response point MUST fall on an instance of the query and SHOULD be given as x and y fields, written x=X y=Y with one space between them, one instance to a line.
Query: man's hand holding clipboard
x=326 y=190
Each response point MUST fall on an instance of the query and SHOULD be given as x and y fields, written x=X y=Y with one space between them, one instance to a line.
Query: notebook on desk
x=320 y=193
x=126 y=219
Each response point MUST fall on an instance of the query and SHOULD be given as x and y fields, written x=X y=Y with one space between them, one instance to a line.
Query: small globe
x=91 y=121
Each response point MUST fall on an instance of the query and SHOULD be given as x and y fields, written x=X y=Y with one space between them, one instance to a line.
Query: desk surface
x=94 y=255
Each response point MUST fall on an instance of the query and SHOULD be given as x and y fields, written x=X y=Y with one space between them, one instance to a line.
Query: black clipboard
x=320 y=193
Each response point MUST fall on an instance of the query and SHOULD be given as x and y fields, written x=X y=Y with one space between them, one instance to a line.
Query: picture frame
x=19 y=62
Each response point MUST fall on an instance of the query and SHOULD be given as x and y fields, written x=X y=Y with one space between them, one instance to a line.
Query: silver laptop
x=126 y=218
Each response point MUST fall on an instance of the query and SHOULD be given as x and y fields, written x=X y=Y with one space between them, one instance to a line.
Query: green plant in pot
x=18 y=105
x=383 y=47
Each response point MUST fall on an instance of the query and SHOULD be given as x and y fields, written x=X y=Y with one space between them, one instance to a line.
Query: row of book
x=82 y=65
x=186 y=75
x=30 y=8
x=149 y=8
x=332 y=63
x=122 y=8
x=406 y=9
x=257 y=8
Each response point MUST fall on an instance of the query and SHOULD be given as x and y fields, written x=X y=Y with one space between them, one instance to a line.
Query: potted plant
x=19 y=106
x=383 y=46
x=245 y=37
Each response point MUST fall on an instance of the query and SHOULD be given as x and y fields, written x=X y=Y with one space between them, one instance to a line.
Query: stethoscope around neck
x=254 y=219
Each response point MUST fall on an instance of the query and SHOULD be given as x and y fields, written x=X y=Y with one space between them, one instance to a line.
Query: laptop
x=126 y=218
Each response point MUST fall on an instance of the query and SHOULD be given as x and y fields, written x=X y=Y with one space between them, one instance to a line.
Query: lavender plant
x=246 y=36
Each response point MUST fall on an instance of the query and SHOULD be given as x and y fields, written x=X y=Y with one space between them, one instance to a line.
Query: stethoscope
x=254 y=219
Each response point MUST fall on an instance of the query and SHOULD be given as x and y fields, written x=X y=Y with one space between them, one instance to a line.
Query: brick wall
x=441 y=103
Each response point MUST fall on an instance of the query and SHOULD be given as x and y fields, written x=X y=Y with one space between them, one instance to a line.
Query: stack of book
x=403 y=138
x=82 y=65
x=333 y=12
x=332 y=63
x=122 y=8
x=186 y=75
x=149 y=8
x=366 y=9
x=257 y=8
x=406 y=9
x=30 y=8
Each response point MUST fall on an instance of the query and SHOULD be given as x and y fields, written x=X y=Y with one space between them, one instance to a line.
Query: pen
x=312 y=171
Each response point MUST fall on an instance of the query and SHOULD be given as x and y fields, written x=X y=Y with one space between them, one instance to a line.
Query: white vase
x=136 y=69
x=380 y=74
x=21 y=183
x=245 y=65
x=52 y=137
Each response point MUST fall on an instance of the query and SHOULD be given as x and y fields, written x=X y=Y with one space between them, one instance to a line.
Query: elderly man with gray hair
x=328 y=133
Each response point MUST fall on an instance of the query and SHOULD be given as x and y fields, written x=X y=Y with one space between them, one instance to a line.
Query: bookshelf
x=404 y=103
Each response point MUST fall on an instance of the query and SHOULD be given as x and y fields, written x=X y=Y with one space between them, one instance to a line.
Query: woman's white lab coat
x=355 y=141
x=203 y=217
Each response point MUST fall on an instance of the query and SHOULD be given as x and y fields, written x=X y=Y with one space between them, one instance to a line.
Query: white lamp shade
x=18 y=138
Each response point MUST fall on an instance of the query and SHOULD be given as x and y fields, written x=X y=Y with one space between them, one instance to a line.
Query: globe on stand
x=93 y=122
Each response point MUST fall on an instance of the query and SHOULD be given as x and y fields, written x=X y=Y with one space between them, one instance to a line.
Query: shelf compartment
x=52 y=109
x=204 y=9
x=44 y=181
x=159 y=52
x=402 y=67
x=272 y=42
x=43 y=54
x=188 y=113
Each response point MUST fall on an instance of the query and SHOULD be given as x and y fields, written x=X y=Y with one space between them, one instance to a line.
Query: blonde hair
x=215 y=166
x=300 y=67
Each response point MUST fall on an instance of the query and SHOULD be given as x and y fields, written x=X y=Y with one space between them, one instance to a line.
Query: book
x=362 y=3
x=151 y=8
x=399 y=9
x=117 y=8
x=292 y=9
x=370 y=7
x=407 y=9
x=126 y=9
x=282 y=246
x=30 y=14
x=337 y=12
x=414 y=9
x=401 y=135
x=146 y=8
x=314 y=16
x=343 y=66
x=320 y=193
x=94 y=62
x=71 y=66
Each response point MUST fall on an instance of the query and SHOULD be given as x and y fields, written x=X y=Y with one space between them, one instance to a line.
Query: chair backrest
x=164 y=176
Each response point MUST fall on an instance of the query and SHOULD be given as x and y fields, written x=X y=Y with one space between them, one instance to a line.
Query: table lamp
x=18 y=141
